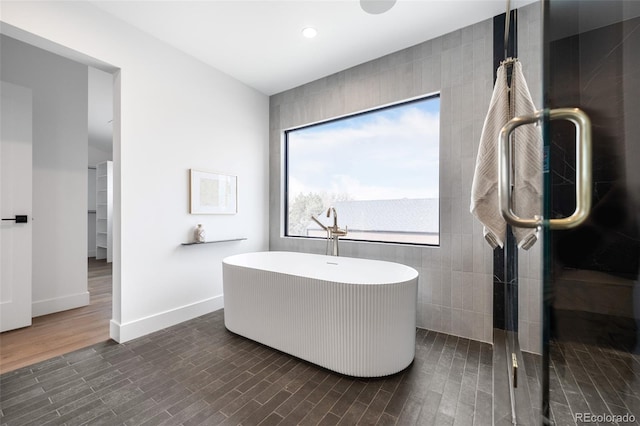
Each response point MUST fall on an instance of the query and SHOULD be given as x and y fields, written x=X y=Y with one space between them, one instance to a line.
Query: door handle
x=20 y=218
x=583 y=169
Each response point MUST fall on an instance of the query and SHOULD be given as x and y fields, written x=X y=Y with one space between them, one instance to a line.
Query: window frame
x=285 y=170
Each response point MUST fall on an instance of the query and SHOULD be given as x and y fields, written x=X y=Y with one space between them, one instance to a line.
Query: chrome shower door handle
x=583 y=169
x=504 y=172
x=583 y=166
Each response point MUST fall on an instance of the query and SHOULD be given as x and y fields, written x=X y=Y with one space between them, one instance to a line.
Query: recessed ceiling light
x=309 y=32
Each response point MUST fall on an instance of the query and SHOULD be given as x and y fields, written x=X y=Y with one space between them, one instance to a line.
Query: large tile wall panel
x=455 y=284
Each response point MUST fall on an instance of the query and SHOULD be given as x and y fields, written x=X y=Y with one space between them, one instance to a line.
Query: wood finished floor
x=62 y=332
x=197 y=372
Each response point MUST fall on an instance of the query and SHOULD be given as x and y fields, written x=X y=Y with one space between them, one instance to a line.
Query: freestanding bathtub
x=353 y=316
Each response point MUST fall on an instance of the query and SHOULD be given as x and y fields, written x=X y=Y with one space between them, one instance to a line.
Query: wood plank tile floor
x=590 y=380
x=197 y=373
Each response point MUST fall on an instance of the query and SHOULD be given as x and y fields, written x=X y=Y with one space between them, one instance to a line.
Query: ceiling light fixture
x=309 y=32
x=376 y=7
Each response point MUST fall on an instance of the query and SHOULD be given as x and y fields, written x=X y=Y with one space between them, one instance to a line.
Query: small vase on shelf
x=199 y=234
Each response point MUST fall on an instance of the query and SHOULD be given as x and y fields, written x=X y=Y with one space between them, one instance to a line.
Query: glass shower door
x=589 y=372
x=591 y=297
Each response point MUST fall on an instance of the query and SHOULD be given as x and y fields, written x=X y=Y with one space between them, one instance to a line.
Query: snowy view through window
x=378 y=169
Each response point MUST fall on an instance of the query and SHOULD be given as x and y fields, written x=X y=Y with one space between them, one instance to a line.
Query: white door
x=15 y=199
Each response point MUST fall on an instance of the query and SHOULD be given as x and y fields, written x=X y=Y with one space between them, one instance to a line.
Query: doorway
x=78 y=318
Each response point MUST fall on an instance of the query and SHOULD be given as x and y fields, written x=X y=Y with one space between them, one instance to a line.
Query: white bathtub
x=353 y=316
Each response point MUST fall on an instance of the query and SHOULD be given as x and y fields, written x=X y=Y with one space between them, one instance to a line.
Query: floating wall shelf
x=212 y=242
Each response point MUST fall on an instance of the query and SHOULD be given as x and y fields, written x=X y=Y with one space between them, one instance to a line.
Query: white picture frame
x=212 y=193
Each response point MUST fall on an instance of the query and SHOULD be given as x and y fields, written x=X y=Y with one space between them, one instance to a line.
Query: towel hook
x=506 y=28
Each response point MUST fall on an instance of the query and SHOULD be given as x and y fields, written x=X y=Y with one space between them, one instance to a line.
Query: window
x=379 y=169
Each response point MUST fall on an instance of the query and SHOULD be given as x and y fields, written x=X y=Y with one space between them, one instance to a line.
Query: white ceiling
x=260 y=42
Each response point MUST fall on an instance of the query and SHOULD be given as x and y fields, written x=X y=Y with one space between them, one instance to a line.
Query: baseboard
x=123 y=332
x=58 y=304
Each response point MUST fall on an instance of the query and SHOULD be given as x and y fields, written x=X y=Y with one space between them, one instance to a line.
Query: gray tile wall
x=455 y=288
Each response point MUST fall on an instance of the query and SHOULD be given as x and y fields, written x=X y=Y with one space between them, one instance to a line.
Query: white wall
x=59 y=279
x=96 y=155
x=100 y=112
x=172 y=113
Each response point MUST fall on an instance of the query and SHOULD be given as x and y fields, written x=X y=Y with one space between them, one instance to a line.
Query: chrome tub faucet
x=333 y=232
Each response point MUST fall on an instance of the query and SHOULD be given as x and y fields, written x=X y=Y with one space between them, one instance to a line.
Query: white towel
x=528 y=163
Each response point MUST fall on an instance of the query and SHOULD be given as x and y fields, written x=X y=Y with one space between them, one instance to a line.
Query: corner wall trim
x=123 y=332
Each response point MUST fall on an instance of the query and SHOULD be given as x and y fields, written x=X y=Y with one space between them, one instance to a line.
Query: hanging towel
x=527 y=191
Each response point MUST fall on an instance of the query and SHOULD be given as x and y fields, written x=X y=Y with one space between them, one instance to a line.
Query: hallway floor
x=62 y=332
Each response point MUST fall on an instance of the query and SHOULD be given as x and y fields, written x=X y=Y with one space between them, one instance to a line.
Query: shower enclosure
x=589 y=370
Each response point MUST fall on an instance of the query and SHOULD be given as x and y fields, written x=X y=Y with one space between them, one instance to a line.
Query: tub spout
x=319 y=223
x=333 y=233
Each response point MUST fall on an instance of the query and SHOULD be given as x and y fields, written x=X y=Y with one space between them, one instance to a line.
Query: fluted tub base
x=353 y=316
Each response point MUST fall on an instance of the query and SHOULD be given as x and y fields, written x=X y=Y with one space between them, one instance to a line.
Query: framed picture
x=212 y=193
